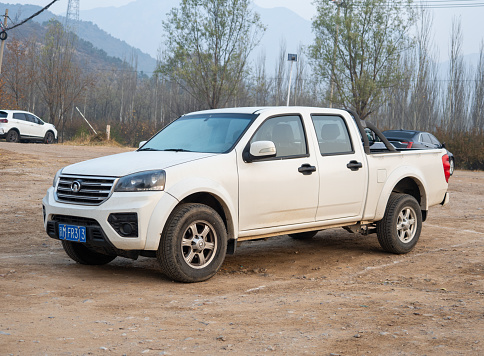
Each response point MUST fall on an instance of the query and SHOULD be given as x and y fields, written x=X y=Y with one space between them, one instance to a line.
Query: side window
x=3 y=114
x=333 y=136
x=19 y=116
x=31 y=118
x=286 y=132
x=426 y=138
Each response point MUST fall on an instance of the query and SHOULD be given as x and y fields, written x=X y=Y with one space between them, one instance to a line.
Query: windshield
x=209 y=133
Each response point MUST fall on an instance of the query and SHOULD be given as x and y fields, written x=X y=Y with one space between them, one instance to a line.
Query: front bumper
x=100 y=232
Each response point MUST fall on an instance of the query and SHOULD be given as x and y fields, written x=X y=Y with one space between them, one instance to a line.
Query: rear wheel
x=85 y=256
x=399 y=230
x=194 y=243
x=304 y=235
x=49 y=137
x=13 y=136
x=3 y=35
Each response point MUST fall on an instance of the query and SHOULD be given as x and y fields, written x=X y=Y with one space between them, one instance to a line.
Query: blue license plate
x=72 y=233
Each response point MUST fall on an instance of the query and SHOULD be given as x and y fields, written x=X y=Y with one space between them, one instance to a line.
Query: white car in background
x=16 y=125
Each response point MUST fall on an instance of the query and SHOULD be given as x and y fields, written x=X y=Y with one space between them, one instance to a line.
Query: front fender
x=178 y=193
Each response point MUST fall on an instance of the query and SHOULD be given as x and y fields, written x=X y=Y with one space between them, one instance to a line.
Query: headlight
x=56 y=178
x=143 y=181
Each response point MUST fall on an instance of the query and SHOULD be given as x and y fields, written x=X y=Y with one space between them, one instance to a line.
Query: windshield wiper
x=176 y=150
x=148 y=149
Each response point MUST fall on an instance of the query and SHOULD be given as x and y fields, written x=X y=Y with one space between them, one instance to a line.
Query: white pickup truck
x=213 y=178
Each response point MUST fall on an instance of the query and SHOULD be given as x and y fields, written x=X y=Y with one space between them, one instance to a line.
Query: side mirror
x=442 y=145
x=142 y=143
x=260 y=149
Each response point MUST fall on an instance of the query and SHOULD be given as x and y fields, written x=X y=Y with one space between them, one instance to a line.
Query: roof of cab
x=259 y=110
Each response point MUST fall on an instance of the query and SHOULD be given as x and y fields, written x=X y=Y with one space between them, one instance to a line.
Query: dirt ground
x=338 y=294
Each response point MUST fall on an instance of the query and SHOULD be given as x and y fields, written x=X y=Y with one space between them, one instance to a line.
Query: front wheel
x=49 y=137
x=193 y=244
x=399 y=230
x=451 y=169
x=84 y=255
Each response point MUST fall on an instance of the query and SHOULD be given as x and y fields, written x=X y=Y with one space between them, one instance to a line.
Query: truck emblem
x=76 y=186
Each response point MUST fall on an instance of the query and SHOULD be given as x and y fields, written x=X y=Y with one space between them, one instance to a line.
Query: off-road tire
x=85 y=256
x=307 y=235
x=399 y=230
x=3 y=35
x=193 y=244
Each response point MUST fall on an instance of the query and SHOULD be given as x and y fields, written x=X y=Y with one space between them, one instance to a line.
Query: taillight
x=446 y=165
x=3 y=121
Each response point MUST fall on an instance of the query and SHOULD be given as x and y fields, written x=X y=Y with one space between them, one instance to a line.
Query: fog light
x=125 y=224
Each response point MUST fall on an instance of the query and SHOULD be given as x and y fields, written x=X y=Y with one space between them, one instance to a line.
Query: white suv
x=16 y=125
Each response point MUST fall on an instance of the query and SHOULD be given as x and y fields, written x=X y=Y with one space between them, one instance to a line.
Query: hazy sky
x=471 y=18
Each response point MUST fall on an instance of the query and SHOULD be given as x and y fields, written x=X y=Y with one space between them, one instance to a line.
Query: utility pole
x=2 y=46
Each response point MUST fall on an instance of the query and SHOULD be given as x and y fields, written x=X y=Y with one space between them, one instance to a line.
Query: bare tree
x=455 y=112
x=477 y=108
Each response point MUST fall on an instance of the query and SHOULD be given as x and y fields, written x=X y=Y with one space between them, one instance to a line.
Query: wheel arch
x=193 y=191
x=411 y=185
x=217 y=204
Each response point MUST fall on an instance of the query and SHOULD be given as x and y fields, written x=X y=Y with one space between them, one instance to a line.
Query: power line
x=34 y=15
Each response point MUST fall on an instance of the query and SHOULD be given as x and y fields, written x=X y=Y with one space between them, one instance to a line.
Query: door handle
x=354 y=165
x=306 y=169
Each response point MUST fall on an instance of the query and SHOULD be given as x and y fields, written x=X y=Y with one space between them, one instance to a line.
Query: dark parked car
x=416 y=139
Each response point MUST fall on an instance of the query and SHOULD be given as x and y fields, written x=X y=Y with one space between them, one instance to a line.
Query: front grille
x=75 y=220
x=84 y=190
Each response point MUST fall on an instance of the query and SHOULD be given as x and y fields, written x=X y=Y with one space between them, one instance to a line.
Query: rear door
x=282 y=190
x=20 y=121
x=342 y=169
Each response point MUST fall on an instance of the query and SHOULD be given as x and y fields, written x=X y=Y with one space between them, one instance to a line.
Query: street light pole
x=290 y=58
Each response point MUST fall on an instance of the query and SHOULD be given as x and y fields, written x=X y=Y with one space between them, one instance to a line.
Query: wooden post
x=108 y=131
x=2 y=46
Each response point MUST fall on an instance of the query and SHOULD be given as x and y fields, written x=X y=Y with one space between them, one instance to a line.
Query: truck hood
x=123 y=164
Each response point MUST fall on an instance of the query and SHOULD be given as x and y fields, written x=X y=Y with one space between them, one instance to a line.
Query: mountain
x=139 y=23
x=88 y=31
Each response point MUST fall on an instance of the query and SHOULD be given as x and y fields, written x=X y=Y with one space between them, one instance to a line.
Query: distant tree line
x=373 y=56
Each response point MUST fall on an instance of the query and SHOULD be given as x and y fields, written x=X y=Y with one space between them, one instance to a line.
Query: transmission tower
x=72 y=17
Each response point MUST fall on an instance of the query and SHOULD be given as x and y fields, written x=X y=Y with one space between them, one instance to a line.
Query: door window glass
x=19 y=116
x=332 y=133
x=286 y=132
x=426 y=138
